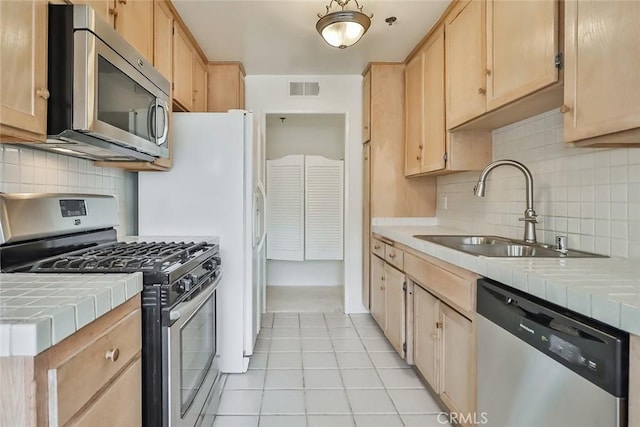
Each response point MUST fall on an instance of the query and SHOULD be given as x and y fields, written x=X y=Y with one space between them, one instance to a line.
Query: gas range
x=74 y=233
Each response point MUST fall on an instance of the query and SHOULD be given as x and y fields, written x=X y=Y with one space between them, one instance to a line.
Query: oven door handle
x=186 y=308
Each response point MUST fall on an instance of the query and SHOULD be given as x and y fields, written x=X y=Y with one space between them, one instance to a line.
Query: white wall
x=592 y=195
x=24 y=170
x=338 y=95
x=312 y=135
x=308 y=134
x=305 y=273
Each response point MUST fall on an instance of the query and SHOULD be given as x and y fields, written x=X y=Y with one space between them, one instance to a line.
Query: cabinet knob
x=487 y=72
x=420 y=146
x=122 y=1
x=565 y=109
x=113 y=11
x=382 y=288
x=382 y=278
x=438 y=325
x=482 y=91
x=417 y=157
x=366 y=127
x=376 y=247
x=112 y=355
x=392 y=255
x=43 y=93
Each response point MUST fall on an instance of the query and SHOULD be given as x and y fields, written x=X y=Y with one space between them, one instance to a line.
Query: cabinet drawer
x=119 y=403
x=394 y=256
x=377 y=247
x=99 y=362
x=453 y=284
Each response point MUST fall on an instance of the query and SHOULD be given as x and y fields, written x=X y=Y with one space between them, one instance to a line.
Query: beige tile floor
x=324 y=370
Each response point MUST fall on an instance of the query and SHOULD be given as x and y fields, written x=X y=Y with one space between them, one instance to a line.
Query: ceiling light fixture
x=343 y=27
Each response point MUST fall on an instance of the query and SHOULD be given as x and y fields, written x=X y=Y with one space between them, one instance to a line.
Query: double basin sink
x=493 y=246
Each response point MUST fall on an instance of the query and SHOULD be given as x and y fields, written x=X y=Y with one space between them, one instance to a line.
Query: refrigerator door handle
x=263 y=226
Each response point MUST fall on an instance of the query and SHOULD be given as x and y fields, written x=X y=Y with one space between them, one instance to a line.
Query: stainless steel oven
x=191 y=358
x=107 y=101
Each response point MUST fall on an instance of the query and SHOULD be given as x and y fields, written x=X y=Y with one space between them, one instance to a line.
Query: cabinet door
x=457 y=361
x=366 y=223
x=104 y=8
x=426 y=335
x=601 y=77
x=366 y=107
x=378 y=292
x=119 y=404
x=199 y=84
x=182 y=68
x=465 y=46
x=163 y=39
x=434 y=117
x=23 y=68
x=134 y=22
x=522 y=42
x=413 y=120
x=396 y=309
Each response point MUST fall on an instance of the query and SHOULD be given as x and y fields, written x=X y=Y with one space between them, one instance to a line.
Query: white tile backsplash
x=589 y=194
x=27 y=170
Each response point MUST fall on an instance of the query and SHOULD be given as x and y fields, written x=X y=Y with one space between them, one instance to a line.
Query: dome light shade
x=343 y=28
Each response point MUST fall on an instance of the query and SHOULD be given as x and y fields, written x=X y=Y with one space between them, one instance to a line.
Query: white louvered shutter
x=285 y=208
x=324 y=208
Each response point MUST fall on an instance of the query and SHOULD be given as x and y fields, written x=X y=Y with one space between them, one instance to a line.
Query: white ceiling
x=280 y=37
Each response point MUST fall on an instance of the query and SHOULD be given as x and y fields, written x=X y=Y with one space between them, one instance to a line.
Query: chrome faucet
x=530 y=218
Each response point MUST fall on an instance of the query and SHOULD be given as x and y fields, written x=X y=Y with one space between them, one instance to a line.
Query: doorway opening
x=305 y=212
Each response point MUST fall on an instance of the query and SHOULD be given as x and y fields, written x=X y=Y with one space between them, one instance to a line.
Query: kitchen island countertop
x=605 y=289
x=38 y=311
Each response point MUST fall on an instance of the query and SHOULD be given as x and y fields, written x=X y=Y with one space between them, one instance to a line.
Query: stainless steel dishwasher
x=542 y=365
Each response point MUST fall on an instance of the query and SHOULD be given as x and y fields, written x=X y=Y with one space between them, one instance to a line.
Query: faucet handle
x=530 y=218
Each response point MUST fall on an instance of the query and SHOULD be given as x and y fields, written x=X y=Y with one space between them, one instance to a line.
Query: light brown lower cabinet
x=457 y=361
x=378 y=292
x=388 y=295
x=426 y=335
x=91 y=378
x=396 y=308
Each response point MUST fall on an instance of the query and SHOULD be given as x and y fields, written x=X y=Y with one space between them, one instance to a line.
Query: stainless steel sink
x=494 y=246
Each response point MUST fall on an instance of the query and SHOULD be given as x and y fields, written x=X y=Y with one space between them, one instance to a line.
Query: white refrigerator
x=216 y=188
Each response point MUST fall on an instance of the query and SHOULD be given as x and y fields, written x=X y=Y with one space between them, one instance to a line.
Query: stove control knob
x=209 y=265
x=184 y=285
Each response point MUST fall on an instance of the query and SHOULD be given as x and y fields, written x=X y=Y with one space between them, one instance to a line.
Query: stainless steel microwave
x=106 y=102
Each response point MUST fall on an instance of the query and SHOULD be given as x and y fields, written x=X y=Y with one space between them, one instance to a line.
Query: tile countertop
x=38 y=311
x=606 y=289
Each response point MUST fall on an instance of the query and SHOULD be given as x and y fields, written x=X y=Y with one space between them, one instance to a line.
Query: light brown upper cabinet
x=503 y=62
x=23 y=70
x=522 y=42
x=366 y=107
x=429 y=148
x=182 y=68
x=392 y=195
x=106 y=9
x=163 y=39
x=466 y=59
x=199 y=84
x=602 y=73
x=414 y=97
x=226 y=86
x=134 y=21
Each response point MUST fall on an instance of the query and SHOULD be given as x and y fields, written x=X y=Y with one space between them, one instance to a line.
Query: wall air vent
x=304 y=88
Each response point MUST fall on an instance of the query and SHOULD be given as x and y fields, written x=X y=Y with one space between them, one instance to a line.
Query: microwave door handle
x=151 y=120
x=162 y=105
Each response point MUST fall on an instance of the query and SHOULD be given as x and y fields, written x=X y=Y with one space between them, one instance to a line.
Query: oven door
x=192 y=362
